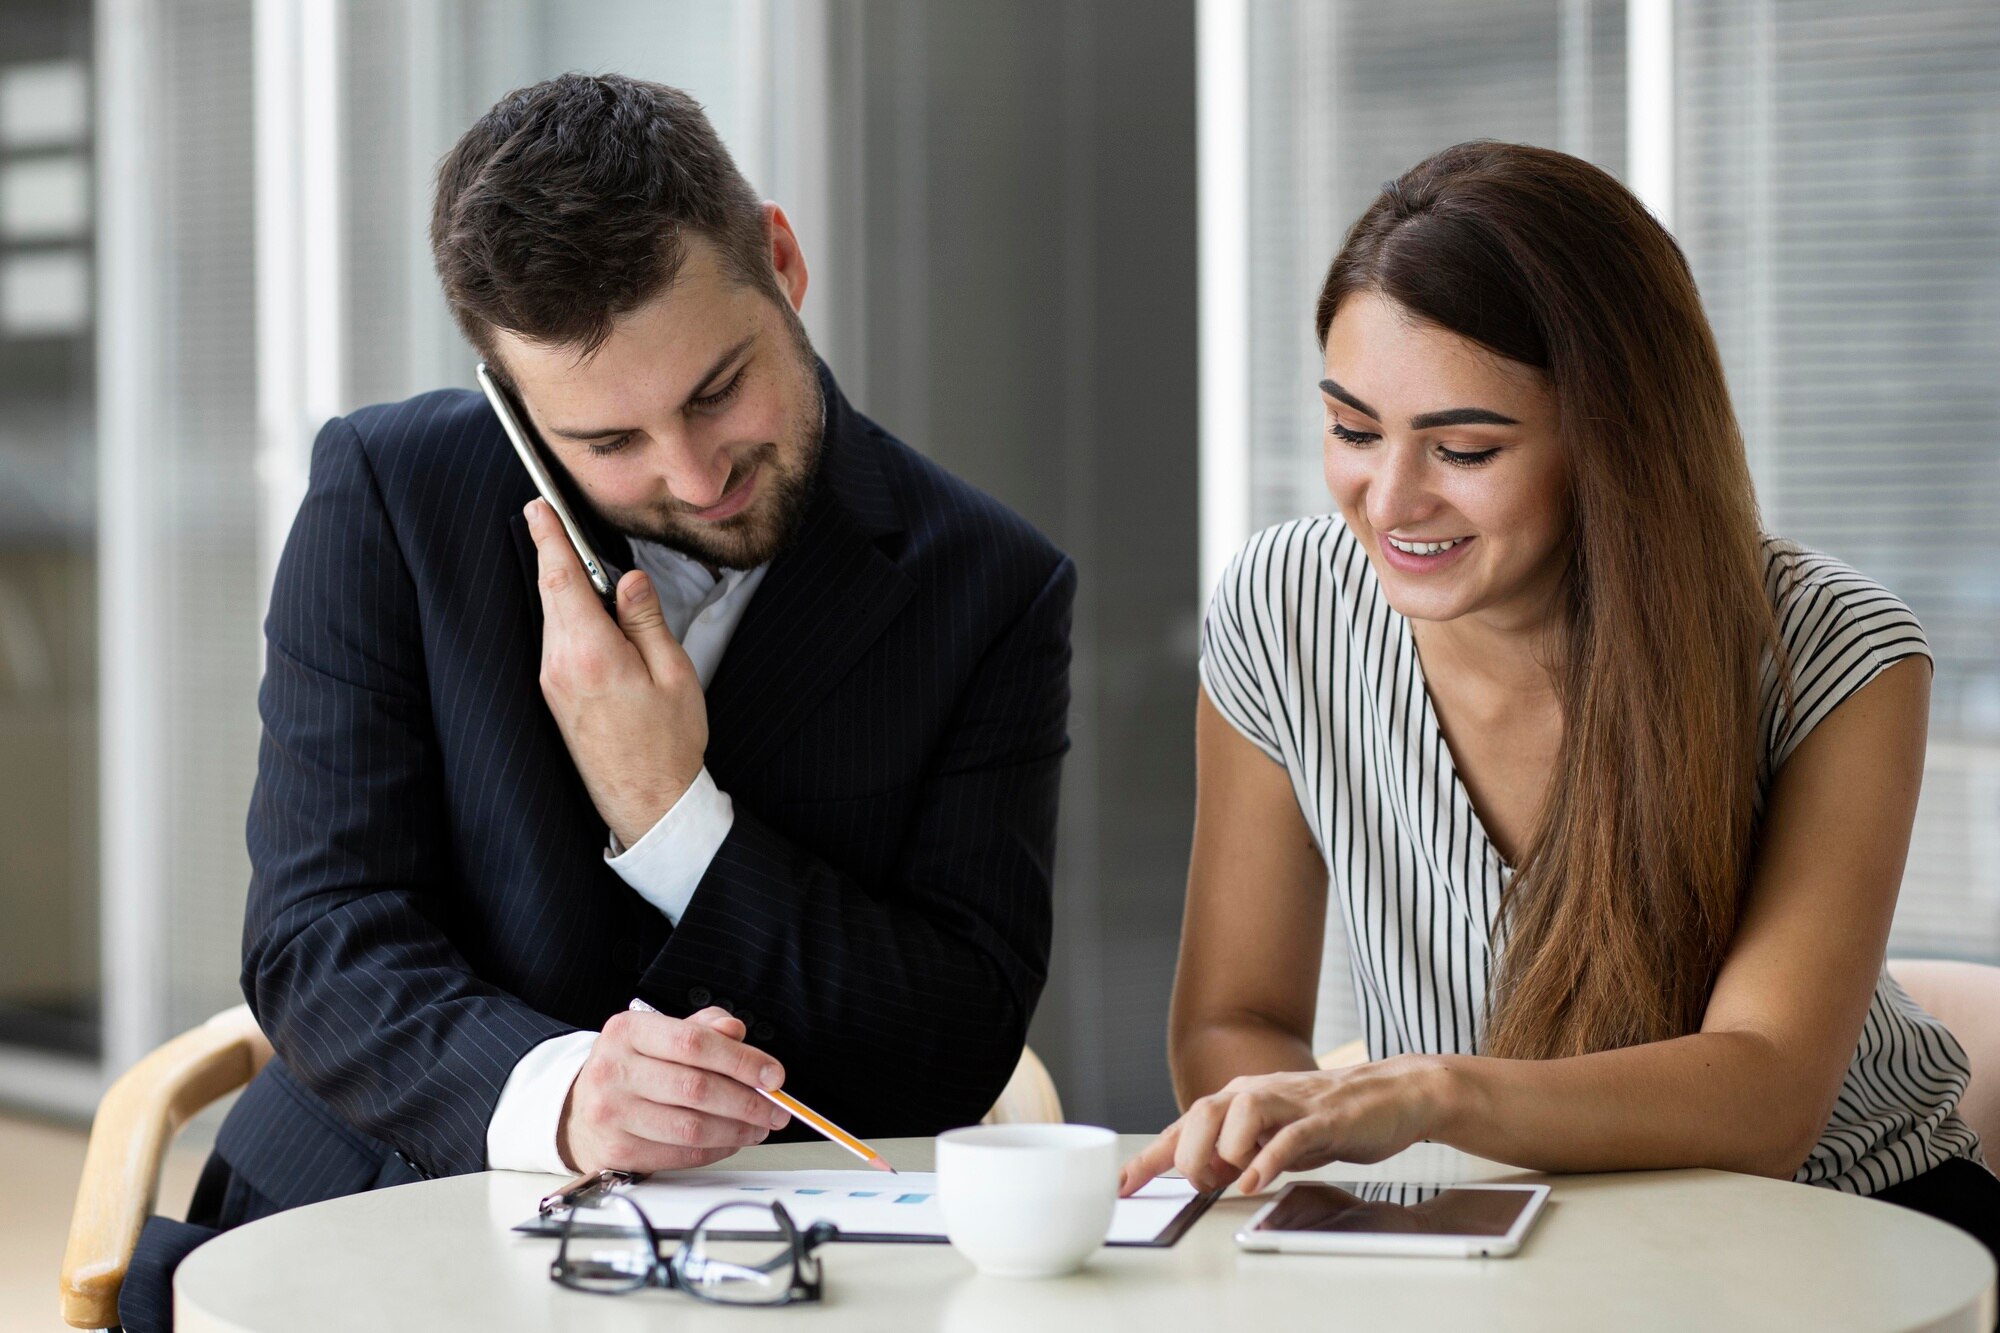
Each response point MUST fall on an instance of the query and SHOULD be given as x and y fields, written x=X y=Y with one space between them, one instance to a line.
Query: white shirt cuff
x=665 y=866
x=521 y=1136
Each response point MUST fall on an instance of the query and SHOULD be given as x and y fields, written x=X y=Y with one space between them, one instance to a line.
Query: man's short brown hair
x=569 y=204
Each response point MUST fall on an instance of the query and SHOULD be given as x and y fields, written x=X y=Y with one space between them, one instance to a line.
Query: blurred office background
x=1068 y=248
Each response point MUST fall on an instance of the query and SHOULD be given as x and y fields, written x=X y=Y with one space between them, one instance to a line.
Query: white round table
x=1673 y=1250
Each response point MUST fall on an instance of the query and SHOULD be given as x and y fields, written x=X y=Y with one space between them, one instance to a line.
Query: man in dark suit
x=797 y=791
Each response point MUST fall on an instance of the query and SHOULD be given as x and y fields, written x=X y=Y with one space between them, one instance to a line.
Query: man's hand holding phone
x=664 y=1094
x=623 y=692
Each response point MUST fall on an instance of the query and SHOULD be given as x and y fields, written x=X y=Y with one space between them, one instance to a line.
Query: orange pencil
x=831 y=1130
x=813 y=1119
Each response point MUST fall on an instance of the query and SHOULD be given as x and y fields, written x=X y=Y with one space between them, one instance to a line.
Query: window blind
x=204 y=573
x=1839 y=199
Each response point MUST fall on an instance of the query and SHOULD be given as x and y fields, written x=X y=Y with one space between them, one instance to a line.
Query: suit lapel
x=825 y=600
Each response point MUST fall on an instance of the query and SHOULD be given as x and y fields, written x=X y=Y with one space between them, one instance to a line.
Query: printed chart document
x=871 y=1205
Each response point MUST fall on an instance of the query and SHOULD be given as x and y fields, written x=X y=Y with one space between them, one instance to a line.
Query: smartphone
x=601 y=576
x=1387 y=1217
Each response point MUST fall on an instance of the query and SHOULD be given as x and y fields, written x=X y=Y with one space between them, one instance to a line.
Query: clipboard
x=870 y=1208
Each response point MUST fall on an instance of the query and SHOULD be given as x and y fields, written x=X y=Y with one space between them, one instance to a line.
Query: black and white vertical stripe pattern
x=1304 y=655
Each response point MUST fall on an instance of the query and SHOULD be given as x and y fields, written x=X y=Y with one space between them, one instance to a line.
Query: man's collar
x=850 y=470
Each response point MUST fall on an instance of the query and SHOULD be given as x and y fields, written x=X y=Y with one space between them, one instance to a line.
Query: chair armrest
x=135 y=1121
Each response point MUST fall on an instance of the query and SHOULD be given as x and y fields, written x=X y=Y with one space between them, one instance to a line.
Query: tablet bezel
x=1394 y=1242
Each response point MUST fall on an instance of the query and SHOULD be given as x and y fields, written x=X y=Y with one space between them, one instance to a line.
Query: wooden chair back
x=1965 y=997
x=136 y=1120
x=1029 y=1097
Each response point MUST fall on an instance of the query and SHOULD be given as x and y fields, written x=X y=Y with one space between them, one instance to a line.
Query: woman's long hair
x=1619 y=914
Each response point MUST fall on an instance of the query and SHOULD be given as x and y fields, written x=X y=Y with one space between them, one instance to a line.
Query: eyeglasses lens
x=606 y=1247
x=739 y=1256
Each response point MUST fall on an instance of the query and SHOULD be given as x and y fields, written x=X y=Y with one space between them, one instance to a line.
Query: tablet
x=1387 y=1217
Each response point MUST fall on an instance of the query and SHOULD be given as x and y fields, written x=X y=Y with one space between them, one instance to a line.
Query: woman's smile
x=1422 y=557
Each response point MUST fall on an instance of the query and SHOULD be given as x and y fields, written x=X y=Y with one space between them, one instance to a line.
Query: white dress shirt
x=663 y=867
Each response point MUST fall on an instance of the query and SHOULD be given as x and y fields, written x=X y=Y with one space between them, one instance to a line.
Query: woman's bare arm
x=1751 y=1091
x=1251 y=939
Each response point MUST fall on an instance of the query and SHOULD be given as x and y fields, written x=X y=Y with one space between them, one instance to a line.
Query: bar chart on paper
x=865 y=1203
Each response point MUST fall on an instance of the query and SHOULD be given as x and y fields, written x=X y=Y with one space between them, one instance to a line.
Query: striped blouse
x=1304 y=655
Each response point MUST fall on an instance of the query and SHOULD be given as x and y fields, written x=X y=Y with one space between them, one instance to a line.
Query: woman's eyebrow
x=1333 y=390
x=1461 y=416
x=1452 y=416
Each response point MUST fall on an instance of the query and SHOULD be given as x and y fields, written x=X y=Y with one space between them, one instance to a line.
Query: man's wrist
x=627 y=831
x=525 y=1131
x=635 y=823
x=562 y=1130
x=665 y=866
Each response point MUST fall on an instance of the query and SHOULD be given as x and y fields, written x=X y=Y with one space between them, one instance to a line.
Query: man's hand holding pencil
x=660 y=1094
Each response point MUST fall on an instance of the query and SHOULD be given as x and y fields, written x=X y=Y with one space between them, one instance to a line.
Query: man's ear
x=788 y=261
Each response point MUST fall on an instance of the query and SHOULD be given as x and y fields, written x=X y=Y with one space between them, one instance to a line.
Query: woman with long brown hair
x=1612 y=792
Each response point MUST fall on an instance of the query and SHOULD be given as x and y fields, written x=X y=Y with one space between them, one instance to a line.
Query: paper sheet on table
x=875 y=1205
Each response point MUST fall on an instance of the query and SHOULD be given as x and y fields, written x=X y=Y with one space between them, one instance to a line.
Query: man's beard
x=758 y=534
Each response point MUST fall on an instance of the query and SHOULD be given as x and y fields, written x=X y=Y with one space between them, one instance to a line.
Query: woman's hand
x=1254 y=1129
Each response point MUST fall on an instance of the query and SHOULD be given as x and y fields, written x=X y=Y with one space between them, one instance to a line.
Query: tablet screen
x=1432 y=1210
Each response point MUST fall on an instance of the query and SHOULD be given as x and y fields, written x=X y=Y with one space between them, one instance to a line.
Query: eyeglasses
x=734 y=1254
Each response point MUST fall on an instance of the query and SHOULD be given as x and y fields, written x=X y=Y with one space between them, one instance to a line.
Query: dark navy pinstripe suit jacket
x=430 y=899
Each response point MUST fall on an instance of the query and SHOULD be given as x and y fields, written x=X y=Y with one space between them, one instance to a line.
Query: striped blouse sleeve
x=1840 y=630
x=1234 y=647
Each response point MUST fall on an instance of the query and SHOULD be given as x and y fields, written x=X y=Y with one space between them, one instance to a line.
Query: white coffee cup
x=1027 y=1200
